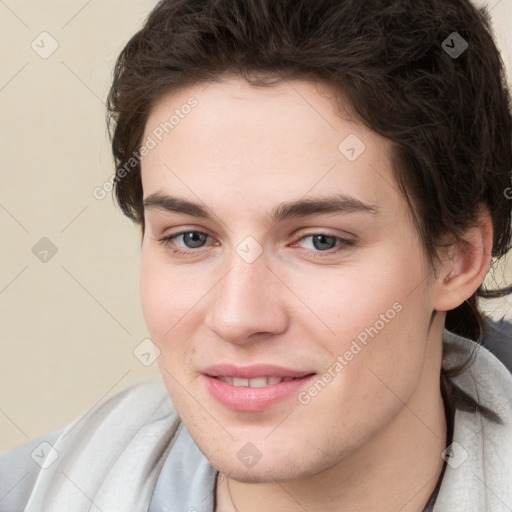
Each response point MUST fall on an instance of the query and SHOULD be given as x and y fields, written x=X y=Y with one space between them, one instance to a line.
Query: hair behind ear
x=466 y=320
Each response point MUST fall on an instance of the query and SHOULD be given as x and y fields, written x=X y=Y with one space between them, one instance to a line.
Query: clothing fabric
x=132 y=453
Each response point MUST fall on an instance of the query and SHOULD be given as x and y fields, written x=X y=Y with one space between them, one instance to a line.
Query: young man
x=321 y=187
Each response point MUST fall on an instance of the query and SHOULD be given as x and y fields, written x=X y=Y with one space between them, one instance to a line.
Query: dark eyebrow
x=339 y=203
x=178 y=205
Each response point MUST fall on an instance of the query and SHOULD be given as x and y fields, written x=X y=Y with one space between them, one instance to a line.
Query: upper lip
x=253 y=371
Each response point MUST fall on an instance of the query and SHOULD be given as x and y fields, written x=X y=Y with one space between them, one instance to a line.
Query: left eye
x=322 y=242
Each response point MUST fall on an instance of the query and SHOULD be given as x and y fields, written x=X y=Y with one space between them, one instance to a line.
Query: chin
x=266 y=470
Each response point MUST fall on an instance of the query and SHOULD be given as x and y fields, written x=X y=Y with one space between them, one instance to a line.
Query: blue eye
x=322 y=244
x=326 y=245
x=190 y=239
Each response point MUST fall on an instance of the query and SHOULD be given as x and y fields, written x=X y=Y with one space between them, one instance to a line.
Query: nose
x=248 y=303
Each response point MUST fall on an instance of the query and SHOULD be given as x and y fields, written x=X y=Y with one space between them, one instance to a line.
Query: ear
x=468 y=263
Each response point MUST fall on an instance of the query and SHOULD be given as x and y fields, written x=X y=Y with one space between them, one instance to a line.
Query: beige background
x=70 y=325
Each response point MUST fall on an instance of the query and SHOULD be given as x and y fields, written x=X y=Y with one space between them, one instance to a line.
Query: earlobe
x=467 y=265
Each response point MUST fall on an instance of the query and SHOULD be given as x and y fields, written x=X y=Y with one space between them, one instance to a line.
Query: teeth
x=257 y=382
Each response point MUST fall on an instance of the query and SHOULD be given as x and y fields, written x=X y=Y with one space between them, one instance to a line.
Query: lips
x=254 y=388
x=254 y=371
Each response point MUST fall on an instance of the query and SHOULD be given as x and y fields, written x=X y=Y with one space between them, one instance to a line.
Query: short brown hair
x=448 y=117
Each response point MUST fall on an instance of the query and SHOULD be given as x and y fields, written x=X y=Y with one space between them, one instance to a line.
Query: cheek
x=156 y=296
x=165 y=300
x=167 y=294
x=173 y=306
x=352 y=298
x=167 y=304
x=378 y=313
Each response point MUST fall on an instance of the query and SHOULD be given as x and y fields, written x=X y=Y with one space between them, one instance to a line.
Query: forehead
x=239 y=142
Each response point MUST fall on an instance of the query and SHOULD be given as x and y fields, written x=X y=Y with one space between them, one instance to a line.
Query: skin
x=372 y=438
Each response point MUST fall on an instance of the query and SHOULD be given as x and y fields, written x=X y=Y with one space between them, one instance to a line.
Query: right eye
x=190 y=239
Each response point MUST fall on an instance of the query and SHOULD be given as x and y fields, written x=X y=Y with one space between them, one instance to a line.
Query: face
x=334 y=287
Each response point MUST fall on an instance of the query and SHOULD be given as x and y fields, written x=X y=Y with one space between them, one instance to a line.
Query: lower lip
x=247 y=399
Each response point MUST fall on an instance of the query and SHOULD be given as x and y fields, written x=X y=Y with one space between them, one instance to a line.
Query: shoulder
x=497 y=338
x=486 y=378
x=19 y=468
x=479 y=460
x=107 y=428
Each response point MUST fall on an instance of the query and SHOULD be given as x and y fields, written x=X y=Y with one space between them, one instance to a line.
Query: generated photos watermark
x=356 y=346
x=152 y=140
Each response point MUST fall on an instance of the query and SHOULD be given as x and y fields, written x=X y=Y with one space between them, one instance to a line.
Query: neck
x=396 y=470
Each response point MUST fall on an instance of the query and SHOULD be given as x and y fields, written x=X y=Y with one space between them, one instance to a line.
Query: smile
x=257 y=382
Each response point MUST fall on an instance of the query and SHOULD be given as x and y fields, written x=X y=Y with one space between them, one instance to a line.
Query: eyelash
x=342 y=244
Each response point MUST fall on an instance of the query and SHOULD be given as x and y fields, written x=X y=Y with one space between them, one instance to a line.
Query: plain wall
x=70 y=324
